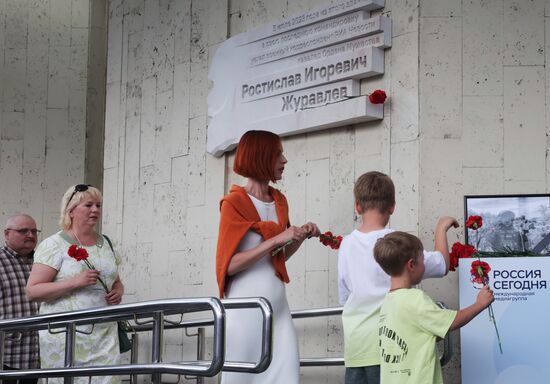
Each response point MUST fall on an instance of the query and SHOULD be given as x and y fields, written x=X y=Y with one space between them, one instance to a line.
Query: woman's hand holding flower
x=311 y=229
x=293 y=233
x=86 y=278
x=114 y=297
x=296 y=235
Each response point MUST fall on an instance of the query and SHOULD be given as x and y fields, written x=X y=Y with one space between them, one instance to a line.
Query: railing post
x=69 y=350
x=2 y=343
x=200 y=350
x=158 y=330
x=134 y=356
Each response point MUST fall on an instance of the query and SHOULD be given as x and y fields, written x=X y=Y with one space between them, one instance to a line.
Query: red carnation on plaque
x=378 y=97
x=474 y=222
x=330 y=240
x=81 y=254
x=479 y=270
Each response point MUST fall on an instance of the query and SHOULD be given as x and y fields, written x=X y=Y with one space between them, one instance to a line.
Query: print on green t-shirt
x=410 y=323
x=390 y=357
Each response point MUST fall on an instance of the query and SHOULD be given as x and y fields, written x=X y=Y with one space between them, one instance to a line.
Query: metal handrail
x=267 y=336
x=157 y=309
x=318 y=312
x=235 y=303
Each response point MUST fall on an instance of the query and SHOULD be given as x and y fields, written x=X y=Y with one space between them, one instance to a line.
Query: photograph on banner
x=518 y=352
x=513 y=225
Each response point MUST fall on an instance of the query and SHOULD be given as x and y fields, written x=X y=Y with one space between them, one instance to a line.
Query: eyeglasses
x=24 y=231
x=77 y=188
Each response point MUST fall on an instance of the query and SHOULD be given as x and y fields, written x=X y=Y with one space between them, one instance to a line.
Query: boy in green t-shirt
x=410 y=322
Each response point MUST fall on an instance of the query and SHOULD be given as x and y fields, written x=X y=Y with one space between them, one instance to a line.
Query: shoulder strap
x=109 y=241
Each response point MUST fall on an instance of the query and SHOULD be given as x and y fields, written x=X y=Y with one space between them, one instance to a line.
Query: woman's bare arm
x=41 y=287
x=243 y=260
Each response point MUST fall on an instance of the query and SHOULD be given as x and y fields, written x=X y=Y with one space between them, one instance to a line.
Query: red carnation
x=330 y=240
x=463 y=250
x=81 y=254
x=377 y=97
x=453 y=262
x=474 y=222
x=72 y=250
x=480 y=272
x=481 y=268
x=77 y=252
x=460 y=251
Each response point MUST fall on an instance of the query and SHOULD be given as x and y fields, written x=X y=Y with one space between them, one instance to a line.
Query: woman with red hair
x=255 y=241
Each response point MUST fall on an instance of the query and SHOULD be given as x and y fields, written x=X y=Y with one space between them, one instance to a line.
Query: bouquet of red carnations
x=330 y=240
x=326 y=238
x=479 y=270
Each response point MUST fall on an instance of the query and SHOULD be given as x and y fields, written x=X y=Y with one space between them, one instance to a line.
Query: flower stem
x=282 y=247
x=103 y=284
x=493 y=320
x=91 y=266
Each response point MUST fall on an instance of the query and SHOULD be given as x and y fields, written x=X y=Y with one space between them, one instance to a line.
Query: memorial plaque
x=298 y=75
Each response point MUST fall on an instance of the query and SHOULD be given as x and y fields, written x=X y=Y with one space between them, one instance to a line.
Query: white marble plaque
x=299 y=74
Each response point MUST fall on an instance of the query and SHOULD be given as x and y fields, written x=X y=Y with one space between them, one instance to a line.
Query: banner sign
x=521 y=308
x=283 y=77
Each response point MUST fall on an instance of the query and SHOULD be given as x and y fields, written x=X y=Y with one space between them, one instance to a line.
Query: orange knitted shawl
x=238 y=216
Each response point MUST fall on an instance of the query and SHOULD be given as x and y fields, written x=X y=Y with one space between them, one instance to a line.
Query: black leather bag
x=124 y=341
x=123 y=327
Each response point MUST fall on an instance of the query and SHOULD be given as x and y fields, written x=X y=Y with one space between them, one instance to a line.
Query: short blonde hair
x=71 y=199
x=393 y=251
x=374 y=190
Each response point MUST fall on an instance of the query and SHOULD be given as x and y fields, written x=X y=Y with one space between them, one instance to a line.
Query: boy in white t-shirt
x=410 y=322
x=362 y=284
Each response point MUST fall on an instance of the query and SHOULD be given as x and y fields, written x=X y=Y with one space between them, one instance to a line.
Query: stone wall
x=46 y=62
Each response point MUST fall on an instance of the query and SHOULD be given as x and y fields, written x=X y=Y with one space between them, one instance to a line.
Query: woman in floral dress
x=63 y=283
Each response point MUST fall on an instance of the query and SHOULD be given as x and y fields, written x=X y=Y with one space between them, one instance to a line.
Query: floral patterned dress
x=101 y=346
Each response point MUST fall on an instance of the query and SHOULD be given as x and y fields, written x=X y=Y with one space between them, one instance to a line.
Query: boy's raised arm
x=463 y=316
x=441 y=243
